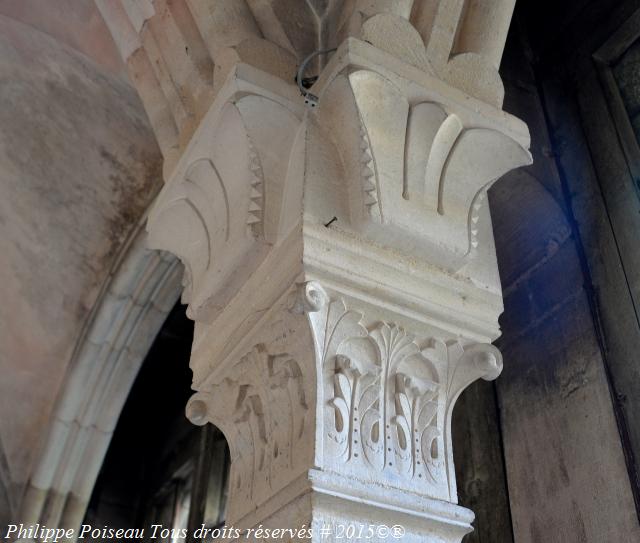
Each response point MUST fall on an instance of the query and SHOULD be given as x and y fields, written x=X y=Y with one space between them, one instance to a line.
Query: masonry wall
x=565 y=398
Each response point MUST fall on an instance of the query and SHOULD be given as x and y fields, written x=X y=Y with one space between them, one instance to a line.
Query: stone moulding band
x=142 y=289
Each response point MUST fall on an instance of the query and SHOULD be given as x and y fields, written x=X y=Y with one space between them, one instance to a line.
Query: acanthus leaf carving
x=332 y=323
x=416 y=422
x=382 y=394
x=461 y=365
x=354 y=398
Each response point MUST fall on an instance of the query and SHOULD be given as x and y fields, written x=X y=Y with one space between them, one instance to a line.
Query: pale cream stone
x=484 y=29
x=461 y=41
x=339 y=260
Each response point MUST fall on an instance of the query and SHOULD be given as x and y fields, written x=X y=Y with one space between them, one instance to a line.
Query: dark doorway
x=161 y=469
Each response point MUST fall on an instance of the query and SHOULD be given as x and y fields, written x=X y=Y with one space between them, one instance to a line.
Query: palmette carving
x=419 y=438
x=389 y=395
x=412 y=161
x=387 y=417
x=355 y=401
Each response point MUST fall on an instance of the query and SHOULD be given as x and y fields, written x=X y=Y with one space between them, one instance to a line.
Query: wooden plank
x=620 y=41
x=622 y=205
x=200 y=489
x=622 y=124
x=618 y=301
x=566 y=470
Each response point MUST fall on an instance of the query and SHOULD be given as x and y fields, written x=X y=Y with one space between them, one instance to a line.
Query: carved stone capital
x=334 y=395
x=410 y=157
x=390 y=171
x=222 y=210
x=262 y=396
x=339 y=259
x=387 y=387
x=397 y=165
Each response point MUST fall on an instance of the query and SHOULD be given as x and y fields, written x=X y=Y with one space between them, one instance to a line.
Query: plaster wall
x=78 y=167
x=75 y=23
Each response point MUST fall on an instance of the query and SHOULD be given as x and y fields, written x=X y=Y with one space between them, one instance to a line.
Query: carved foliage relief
x=269 y=412
x=388 y=396
x=264 y=403
x=262 y=407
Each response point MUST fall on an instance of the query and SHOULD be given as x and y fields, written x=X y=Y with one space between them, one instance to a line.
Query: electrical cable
x=309 y=98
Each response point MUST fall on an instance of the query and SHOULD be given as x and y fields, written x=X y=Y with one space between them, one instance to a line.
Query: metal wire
x=303 y=66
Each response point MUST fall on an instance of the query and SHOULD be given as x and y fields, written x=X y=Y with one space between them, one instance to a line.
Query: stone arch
x=525 y=209
x=143 y=287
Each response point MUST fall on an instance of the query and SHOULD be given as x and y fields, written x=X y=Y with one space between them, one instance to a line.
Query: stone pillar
x=340 y=268
x=485 y=27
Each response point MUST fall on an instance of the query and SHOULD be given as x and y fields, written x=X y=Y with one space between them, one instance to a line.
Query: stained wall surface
x=78 y=167
x=566 y=398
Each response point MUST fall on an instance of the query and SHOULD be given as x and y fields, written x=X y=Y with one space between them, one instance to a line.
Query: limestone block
x=326 y=396
x=180 y=53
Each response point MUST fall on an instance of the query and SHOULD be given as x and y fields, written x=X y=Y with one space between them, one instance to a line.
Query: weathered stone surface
x=564 y=459
x=79 y=167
